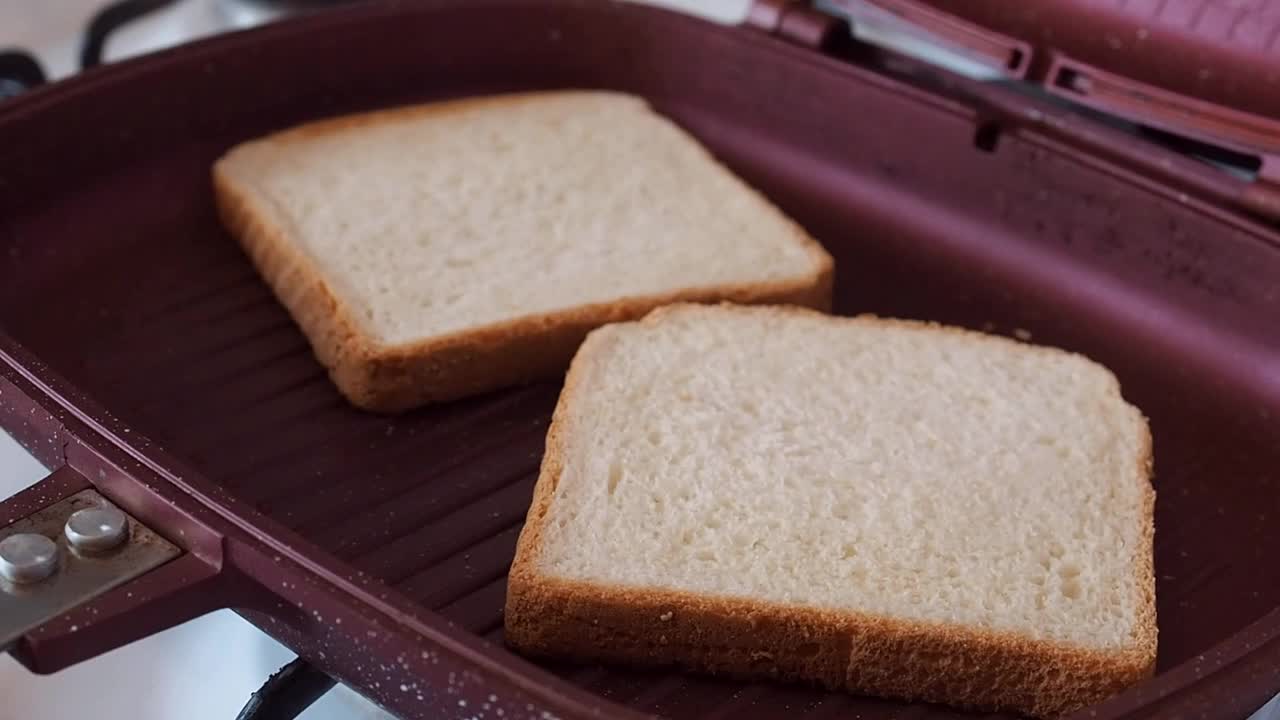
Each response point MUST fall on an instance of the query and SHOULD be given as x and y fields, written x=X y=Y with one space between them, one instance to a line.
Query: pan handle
x=168 y=562
x=79 y=575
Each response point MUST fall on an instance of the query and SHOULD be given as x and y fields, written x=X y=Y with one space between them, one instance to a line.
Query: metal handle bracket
x=73 y=572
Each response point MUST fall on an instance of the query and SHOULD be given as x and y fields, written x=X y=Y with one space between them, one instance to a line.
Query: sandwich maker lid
x=1206 y=70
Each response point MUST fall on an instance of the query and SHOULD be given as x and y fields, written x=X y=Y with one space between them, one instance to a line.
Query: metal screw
x=96 y=529
x=27 y=558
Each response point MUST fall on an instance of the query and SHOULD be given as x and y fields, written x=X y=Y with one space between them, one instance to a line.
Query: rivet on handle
x=97 y=529
x=68 y=553
x=27 y=558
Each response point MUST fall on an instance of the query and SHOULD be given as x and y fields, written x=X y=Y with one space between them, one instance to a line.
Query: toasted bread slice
x=442 y=250
x=882 y=506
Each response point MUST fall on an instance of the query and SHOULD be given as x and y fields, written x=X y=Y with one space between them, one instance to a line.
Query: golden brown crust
x=394 y=378
x=858 y=652
x=1145 y=636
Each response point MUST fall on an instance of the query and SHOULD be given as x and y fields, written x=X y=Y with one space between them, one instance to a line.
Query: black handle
x=292 y=689
x=108 y=20
x=19 y=72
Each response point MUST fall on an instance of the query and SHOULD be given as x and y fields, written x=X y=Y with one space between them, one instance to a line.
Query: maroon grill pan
x=141 y=355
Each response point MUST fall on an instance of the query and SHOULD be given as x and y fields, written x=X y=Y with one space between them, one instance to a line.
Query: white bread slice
x=441 y=250
x=883 y=506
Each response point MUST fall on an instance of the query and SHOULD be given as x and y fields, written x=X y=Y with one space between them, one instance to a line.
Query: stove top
x=54 y=40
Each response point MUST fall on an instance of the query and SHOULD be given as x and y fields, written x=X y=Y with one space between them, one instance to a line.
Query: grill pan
x=141 y=356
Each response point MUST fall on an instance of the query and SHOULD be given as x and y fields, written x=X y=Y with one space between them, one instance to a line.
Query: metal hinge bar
x=57 y=563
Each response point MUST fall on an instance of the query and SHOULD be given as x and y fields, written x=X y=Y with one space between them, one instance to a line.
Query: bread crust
x=547 y=616
x=393 y=378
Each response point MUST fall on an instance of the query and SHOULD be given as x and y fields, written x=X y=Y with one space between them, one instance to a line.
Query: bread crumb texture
x=418 y=246
x=883 y=506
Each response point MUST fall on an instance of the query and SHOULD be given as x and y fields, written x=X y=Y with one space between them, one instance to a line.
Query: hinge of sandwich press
x=836 y=25
x=883 y=33
x=798 y=22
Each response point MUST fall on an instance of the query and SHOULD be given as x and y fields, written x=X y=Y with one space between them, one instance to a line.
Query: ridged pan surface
x=116 y=273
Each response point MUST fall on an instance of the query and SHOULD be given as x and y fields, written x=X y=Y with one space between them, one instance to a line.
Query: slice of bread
x=883 y=506
x=441 y=250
